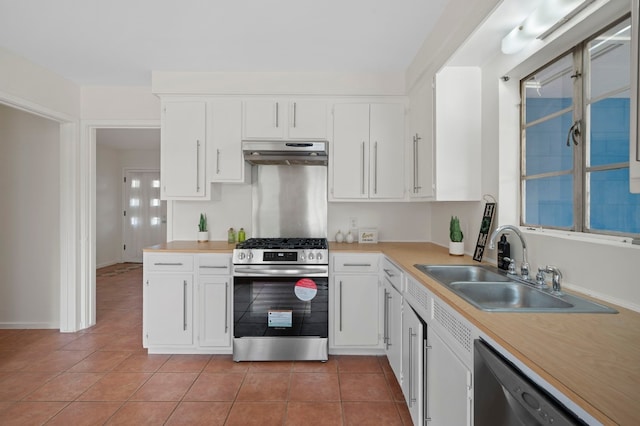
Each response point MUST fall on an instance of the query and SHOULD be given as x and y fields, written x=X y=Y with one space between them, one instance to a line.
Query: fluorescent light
x=547 y=15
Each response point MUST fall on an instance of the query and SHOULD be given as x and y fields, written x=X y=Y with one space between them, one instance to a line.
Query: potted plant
x=203 y=233
x=456 y=246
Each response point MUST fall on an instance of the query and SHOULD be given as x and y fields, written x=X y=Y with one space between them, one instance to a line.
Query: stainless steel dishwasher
x=504 y=396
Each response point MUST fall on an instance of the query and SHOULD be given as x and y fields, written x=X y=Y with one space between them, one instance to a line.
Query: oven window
x=281 y=306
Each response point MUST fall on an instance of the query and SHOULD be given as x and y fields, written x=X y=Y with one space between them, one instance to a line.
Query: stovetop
x=282 y=251
x=284 y=243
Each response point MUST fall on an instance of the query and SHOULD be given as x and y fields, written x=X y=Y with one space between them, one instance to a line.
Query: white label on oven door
x=280 y=318
x=306 y=289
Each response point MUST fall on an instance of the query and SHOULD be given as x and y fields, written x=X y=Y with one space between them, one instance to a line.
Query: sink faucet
x=556 y=279
x=524 y=267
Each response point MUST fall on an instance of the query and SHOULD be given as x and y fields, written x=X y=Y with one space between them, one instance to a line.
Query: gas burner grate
x=283 y=243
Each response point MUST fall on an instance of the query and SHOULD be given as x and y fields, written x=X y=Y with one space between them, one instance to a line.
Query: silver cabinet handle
x=340 y=307
x=184 y=305
x=213 y=267
x=168 y=264
x=389 y=272
x=362 y=186
x=294 y=115
x=277 y=114
x=197 y=165
x=416 y=138
x=425 y=364
x=218 y=161
x=375 y=167
x=385 y=336
x=412 y=400
x=226 y=307
x=356 y=264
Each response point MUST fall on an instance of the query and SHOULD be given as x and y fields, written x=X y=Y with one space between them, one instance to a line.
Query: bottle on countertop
x=241 y=235
x=504 y=250
x=231 y=236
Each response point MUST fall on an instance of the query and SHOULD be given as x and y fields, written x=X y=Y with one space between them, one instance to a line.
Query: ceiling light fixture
x=548 y=16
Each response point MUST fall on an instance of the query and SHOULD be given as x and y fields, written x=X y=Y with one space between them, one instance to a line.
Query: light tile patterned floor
x=103 y=376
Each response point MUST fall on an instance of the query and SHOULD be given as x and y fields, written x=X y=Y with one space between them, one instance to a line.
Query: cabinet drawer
x=392 y=274
x=214 y=264
x=356 y=263
x=170 y=262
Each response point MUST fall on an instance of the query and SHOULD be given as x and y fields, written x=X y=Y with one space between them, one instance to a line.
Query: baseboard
x=30 y=325
x=105 y=264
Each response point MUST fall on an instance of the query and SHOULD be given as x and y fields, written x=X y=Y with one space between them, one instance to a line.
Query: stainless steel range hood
x=285 y=152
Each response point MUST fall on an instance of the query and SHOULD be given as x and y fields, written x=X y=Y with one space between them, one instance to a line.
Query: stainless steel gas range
x=281 y=299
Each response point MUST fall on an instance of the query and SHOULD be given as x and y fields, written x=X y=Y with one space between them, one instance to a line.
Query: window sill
x=607 y=240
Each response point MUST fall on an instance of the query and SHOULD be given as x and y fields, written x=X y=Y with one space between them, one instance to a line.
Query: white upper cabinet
x=226 y=163
x=183 y=150
x=285 y=119
x=419 y=148
x=368 y=152
x=458 y=134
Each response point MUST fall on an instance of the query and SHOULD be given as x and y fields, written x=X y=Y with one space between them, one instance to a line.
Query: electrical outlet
x=353 y=223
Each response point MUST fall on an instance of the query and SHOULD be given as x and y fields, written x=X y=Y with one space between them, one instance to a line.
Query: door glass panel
x=609 y=56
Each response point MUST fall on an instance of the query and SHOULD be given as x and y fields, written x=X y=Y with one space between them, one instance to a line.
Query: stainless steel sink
x=488 y=289
x=447 y=274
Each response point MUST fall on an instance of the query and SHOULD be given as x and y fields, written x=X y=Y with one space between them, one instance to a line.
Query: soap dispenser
x=504 y=250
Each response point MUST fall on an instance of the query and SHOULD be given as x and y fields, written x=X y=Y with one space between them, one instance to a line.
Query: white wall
x=110 y=166
x=30 y=218
x=108 y=206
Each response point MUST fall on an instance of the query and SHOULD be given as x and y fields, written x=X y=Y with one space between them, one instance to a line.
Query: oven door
x=281 y=301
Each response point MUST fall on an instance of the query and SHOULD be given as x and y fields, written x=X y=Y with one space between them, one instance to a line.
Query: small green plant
x=202 y=226
x=455 y=234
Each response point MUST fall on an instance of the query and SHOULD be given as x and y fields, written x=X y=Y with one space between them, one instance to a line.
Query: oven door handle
x=274 y=270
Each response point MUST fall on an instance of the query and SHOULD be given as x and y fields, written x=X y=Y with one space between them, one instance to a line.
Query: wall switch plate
x=353 y=223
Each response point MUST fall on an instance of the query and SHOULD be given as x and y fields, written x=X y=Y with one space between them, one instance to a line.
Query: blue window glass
x=546 y=148
x=611 y=206
x=549 y=201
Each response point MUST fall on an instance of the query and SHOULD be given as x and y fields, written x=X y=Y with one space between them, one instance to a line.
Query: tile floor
x=103 y=376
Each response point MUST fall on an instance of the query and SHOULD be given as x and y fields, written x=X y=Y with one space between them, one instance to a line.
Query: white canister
x=339 y=237
x=349 y=237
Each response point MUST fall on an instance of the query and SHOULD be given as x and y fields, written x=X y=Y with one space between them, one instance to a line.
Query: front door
x=145 y=215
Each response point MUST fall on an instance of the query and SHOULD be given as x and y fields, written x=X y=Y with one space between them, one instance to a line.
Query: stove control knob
x=311 y=256
x=241 y=255
x=319 y=256
x=250 y=256
x=302 y=256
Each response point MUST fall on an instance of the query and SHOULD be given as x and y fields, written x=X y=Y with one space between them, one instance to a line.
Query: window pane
x=546 y=147
x=549 y=201
x=611 y=206
x=609 y=141
x=609 y=54
x=552 y=87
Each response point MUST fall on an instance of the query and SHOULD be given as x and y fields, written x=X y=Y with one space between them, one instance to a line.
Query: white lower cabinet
x=449 y=397
x=214 y=301
x=413 y=333
x=168 y=309
x=392 y=300
x=187 y=303
x=356 y=317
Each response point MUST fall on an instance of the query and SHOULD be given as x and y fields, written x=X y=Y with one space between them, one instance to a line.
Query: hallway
x=103 y=376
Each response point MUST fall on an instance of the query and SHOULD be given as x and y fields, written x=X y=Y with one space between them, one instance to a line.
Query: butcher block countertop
x=594 y=359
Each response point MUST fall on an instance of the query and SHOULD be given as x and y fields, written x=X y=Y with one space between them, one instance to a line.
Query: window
x=575 y=139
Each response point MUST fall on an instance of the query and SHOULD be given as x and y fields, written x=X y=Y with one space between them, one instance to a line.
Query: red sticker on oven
x=306 y=289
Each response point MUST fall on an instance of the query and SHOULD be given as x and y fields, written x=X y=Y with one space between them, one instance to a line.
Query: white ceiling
x=119 y=42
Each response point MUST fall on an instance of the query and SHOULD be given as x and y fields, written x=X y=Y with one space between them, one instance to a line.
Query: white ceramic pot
x=203 y=236
x=456 y=248
x=349 y=237
x=339 y=237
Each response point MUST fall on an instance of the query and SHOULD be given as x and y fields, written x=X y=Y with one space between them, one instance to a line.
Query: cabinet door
x=264 y=119
x=413 y=333
x=168 y=317
x=350 y=151
x=420 y=144
x=227 y=162
x=307 y=120
x=449 y=389
x=183 y=149
x=356 y=310
x=386 y=145
x=215 y=315
x=393 y=328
